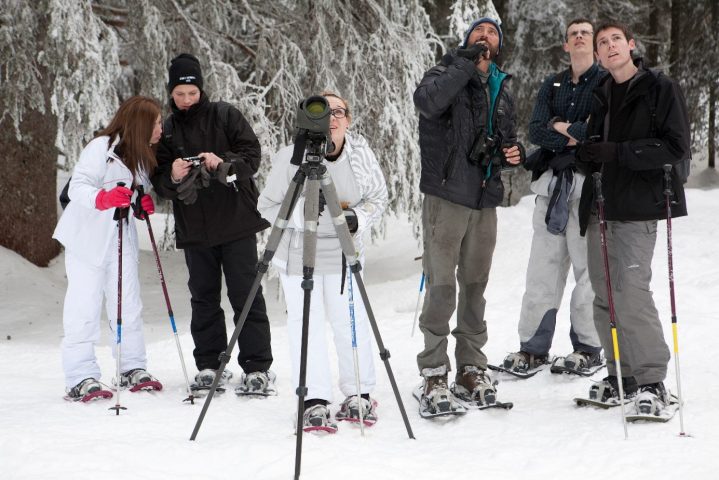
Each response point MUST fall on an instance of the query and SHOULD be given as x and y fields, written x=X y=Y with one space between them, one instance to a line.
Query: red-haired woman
x=122 y=152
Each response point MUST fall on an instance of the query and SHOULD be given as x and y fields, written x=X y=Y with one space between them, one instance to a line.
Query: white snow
x=544 y=436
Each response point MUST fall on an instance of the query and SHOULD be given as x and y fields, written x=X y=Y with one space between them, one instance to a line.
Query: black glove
x=472 y=52
x=203 y=181
x=351 y=218
x=187 y=189
x=226 y=174
x=321 y=204
x=598 y=152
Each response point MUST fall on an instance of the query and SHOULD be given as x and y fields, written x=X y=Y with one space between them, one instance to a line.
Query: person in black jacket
x=640 y=119
x=216 y=220
x=467 y=133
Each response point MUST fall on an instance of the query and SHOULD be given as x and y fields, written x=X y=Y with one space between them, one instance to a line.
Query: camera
x=196 y=161
x=485 y=151
x=313 y=130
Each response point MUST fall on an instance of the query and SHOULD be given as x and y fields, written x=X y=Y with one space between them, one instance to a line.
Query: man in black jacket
x=216 y=220
x=641 y=121
x=467 y=133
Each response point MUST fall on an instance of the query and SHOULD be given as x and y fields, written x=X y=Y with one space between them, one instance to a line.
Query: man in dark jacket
x=216 y=220
x=467 y=133
x=558 y=124
x=640 y=118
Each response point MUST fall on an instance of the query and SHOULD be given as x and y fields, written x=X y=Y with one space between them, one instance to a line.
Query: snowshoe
x=522 y=364
x=205 y=378
x=138 y=379
x=87 y=391
x=474 y=389
x=349 y=411
x=578 y=363
x=261 y=384
x=316 y=419
x=653 y=404
x=605 y=394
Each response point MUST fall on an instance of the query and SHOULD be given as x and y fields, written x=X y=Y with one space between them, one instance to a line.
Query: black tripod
x=312 y=170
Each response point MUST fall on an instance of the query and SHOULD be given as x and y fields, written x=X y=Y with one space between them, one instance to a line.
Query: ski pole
x=416 y=307
x=144 y=216
x=354 y=352
x=120 y=215
x=610 y=299
x=668 y=194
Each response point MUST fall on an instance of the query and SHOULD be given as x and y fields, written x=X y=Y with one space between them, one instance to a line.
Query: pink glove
x=147 y=205
x=117 y=197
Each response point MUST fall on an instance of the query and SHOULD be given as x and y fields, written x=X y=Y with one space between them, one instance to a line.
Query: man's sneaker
x=522 y=362
x=205 y=378
x=317 y=419
x=87 y=390
x=607 y=391
x=257 y=383
x=349 y=410
x=582 y=360
x=474 y=385
x=139 y=379
x=652 y=399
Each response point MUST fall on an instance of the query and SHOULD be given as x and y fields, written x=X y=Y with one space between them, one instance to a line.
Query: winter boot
x=257 y=383
x=138 y=379
x=349 y=410
x=474 y=385
x=436 y=398
x=607 y=391
x=652 y=399
x=522 y=362
x=205 y=378
x=582 y=360
x=317 y=419
x=87 y=390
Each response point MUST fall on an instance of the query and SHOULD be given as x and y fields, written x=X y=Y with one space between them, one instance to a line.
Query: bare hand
x=212 y=161
x=512 y=155
x=180 y=169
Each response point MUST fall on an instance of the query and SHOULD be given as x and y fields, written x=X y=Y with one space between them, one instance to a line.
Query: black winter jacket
x=220 y=213
x=454 y=112
x=633 y=184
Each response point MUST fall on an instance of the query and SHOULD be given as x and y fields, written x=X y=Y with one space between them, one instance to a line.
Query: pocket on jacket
x=448 y=168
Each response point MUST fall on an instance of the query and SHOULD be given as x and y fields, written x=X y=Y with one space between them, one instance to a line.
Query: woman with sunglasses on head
x=362 y=193
x=119 y=159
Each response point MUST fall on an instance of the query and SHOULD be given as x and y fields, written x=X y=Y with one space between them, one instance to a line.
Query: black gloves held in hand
x=599 y=152
x=472 y=52
x=351 y=218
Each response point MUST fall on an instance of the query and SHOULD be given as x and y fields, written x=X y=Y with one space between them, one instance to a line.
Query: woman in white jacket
x=122 y=152
x=362 y=192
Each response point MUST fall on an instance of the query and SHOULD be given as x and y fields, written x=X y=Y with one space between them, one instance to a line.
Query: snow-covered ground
x=545 y=436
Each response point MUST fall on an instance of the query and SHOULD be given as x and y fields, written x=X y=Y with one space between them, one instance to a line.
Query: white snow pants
x=87 y=285
x=327 y=305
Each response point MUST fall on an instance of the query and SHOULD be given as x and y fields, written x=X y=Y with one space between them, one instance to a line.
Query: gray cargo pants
x=456 y=239
x=643 y=353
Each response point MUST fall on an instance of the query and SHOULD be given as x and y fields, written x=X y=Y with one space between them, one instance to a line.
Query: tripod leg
x=288 y=204
x=348 y=247
x=309 y=250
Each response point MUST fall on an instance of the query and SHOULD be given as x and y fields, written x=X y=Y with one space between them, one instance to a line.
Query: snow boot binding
x=317 y=419
x=578 y=363
x=653 y=404
x=435 y=398
x=205 y=378
x=138 y=379
x=261 y=384
x=522 y=364
x=605 y=394
x=87 y=391
x=349 y=410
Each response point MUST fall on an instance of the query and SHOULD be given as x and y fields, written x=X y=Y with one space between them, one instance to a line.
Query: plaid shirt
x=571 y=102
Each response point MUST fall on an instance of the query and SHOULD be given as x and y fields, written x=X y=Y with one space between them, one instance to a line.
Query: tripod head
x=313 y=140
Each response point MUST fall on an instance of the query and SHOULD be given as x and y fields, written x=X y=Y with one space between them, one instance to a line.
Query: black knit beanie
x=184 y=70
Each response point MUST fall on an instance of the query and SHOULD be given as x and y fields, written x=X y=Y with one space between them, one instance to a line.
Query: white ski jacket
x=359 y=181
x=86 y=231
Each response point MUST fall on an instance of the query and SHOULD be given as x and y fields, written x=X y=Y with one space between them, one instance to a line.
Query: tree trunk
x=28 y=189
x=653 y=33
x=675 y=36
x=711 y=134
